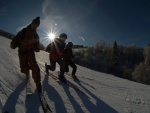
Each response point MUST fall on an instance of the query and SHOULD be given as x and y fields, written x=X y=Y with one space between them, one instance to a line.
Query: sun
x=51 y=36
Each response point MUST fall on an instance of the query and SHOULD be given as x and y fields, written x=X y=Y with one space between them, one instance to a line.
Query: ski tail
x=66 y=83
x=77 y=79
x=44 y=104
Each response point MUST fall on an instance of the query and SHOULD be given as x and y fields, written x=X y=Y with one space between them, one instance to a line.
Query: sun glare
x=51 y=36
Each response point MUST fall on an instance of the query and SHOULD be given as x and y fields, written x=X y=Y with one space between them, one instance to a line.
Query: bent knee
x=25 y=70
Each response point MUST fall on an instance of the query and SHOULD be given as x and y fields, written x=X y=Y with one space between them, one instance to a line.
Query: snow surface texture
x=109 y=95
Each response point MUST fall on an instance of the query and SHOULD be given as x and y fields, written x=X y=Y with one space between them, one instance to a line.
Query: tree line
x=129 y=62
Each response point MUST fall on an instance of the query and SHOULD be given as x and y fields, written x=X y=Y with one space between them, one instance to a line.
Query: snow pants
x=52 y=66
x=27 y=61
x=74 y=67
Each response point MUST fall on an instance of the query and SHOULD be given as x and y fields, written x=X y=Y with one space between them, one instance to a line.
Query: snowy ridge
x=111 y=94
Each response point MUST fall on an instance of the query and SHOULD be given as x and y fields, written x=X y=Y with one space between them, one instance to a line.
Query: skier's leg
x=24 y=66
x=47 y=67
x=66 y=68
x=62 y=70
x=53 y=65
x=74 y=68
x=62 y=64
x=35 y=71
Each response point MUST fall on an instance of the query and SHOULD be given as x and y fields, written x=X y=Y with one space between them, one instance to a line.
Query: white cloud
x=45 y=6
x=81 y=38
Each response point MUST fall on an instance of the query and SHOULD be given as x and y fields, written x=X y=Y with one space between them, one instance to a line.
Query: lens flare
x=51 y=36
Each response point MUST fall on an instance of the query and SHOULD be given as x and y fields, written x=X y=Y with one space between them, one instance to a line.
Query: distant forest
x=130 y=62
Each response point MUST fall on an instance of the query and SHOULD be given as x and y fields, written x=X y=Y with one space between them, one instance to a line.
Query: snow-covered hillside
x=106 y=93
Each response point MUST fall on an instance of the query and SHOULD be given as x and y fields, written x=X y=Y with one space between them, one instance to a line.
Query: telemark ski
x=69 y=76
x=77 y=79
x=66 y=83
x=44 y=104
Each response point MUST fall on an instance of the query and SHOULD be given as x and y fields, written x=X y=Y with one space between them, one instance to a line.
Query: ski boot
x=74 y=77
x=62 y=78
x=46 y=68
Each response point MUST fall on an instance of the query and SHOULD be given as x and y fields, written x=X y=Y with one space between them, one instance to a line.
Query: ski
x=77 y=79
x=44 y=104
x=66 y=83
x=57 y=80
x=69 y=76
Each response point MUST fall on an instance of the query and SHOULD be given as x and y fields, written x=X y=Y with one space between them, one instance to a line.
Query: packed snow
x=103 y=93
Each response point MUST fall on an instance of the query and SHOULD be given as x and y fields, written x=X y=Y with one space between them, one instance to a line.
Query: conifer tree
x=115 y=55
x=115 y=60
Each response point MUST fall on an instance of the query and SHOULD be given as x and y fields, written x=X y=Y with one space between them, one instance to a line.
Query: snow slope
x=108 y=93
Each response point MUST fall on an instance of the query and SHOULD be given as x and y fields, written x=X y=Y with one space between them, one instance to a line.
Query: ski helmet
x=36 y=20
x=63 y=35
x=70 y=44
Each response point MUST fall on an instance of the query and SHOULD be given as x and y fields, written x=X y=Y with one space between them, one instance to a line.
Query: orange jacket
x=55 y=49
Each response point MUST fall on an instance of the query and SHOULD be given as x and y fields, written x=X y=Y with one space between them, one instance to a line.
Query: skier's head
x=63 y=35
x=70 y=44
x=35 y=23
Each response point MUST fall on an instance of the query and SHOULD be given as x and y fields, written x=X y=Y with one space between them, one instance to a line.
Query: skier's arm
x=71 y=54
x=64 y=54
x=16 y=41
x=37 y=43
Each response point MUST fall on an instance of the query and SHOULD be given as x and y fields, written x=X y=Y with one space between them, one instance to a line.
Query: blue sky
x=84 y=21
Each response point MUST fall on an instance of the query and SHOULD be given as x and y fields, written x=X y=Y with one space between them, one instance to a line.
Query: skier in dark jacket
x=67 y=57
x=55 y=49
x=27 y=41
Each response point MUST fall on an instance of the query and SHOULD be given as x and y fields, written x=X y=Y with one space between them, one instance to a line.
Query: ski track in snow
x=111 y=94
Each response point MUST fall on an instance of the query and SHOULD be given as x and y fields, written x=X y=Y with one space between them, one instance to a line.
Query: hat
x=36 y=20
x=63 y=35
x=70 y=44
